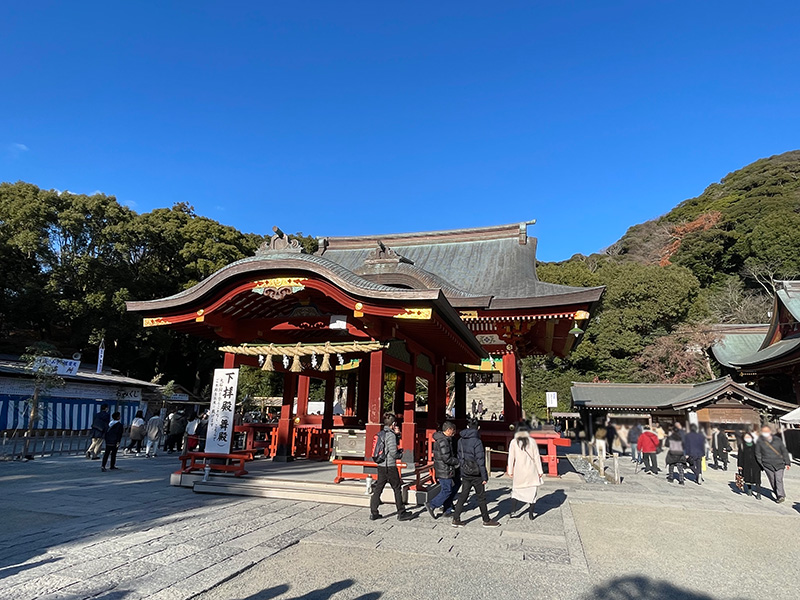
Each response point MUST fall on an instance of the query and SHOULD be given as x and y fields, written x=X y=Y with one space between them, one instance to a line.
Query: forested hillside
x=712 y=259
x=70 y=261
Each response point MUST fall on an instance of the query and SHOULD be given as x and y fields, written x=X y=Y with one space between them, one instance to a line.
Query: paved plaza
x=71 y=532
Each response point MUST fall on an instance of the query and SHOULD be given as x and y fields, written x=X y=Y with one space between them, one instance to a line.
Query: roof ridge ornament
x=384 y=254
x=279 y=242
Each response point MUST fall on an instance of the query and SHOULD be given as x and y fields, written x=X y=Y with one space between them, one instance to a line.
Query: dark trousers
x=111 y=450
x=447 y=494
x=696 y=465
x=721 y=457
x=392 y=477
x=137 y=443
x=468 y=483
x=650 y=462
x=173 y=439
x=672 y=466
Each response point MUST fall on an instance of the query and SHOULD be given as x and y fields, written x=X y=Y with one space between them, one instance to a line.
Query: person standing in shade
x=675 y=455
x=177 y=427
x=137 y=433
x=660 y=434
x=633 y=441
x=525 y=469
x=773 y=457
x=720 y=447
x=153 y=432
x=749 y=468
x=622 y=436
x=472 y=458
x=113 y=438
x=694 y=446
x=387 y=470
x=99 y=428
x=445 y=465
x=611 y=435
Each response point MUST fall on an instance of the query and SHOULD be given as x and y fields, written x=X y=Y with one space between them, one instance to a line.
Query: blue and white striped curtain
x=59 y=413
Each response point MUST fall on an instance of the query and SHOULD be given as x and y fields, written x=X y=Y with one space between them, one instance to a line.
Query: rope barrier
x=300 y=349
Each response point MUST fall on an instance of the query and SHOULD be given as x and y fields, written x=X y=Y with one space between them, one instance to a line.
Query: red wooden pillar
x=362 y=401
x=409 y=391
x=330 y=398
x=512 y=389
x=283 y=452
x=375 y=399
x=303 y=387
x=350 y=402
x=461 y=396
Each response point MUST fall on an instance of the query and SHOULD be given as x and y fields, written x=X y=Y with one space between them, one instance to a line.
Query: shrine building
x=396 y=322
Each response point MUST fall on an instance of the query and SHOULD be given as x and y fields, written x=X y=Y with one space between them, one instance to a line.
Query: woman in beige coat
x=525 y=469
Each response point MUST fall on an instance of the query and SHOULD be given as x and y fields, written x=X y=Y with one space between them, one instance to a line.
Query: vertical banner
x=220 y=417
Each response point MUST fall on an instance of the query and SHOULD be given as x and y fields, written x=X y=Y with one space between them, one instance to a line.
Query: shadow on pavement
x=321 y=594
x=641 y=588
x=18 y=568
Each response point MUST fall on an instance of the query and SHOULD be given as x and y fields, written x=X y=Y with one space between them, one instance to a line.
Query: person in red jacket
x=648 y=446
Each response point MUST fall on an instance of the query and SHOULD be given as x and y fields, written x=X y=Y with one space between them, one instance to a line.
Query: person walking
x=385 y=454
x=154 y=427
x=694 y=446
x=648 y=446
x=445 y=465
x=176 y=427
x=773 y=457
x=633 y=440
x=472 y=459
x=113 y=438
x=720 y=447
x=99 y=428
x=525 y=469
x=622 y=436
x=611 y=435
x=748 y=466
x=137 y=433
x=675 y=455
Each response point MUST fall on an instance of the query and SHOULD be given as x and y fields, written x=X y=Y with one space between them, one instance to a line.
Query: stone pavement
x=71 y=532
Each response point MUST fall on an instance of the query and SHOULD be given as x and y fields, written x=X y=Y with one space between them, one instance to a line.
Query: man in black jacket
x=472 y=459
x=445 y=464
x=99 y=428
x=387 y=471
x=773 y=457
x=113 y=438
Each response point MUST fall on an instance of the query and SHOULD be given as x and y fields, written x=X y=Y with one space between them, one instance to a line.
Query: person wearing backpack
x=675 y=455
x=385 y=453
x=472 y=458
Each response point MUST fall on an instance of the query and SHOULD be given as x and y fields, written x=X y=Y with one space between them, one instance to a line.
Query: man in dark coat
x=633 y=441
x=387 y=472
x=675 y=455
x=99 y=428
x=720 y=446
x=177 y=427
x=749 y=468
x=694 y=446
x=113 y=438
x=445 y=465
x=773 y=457
x=472 y=460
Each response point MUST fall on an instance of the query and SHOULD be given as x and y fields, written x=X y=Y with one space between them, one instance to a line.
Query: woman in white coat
x=525 y=469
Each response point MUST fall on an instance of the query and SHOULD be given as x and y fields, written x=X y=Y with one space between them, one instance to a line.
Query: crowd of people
x=757 y=451
x=175 y=432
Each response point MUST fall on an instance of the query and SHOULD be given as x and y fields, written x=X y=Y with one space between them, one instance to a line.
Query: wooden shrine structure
x=369 y=311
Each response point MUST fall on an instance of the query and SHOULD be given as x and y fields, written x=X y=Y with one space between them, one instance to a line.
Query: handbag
x=739 y=480
x=703 y=464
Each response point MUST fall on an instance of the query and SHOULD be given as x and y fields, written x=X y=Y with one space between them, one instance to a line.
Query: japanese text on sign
x=220 y=417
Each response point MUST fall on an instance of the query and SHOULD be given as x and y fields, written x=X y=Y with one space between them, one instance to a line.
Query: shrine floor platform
x=300 y=479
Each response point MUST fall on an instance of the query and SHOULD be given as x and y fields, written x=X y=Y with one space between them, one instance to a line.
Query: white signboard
x=552 y=399
x=59 y=366
x=220 y=416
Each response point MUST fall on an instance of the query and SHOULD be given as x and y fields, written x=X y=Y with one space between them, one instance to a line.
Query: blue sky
x=345 y=118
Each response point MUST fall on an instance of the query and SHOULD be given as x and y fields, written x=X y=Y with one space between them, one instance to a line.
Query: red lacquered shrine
x=414 y=311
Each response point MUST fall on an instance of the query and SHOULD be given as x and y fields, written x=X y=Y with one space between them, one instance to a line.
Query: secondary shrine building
x=396 y=322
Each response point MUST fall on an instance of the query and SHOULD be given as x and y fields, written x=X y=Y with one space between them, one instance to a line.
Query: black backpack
x=379 y=447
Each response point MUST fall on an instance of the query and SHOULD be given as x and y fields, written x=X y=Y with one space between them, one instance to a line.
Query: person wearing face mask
x=773 y=457
x=748 y=466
